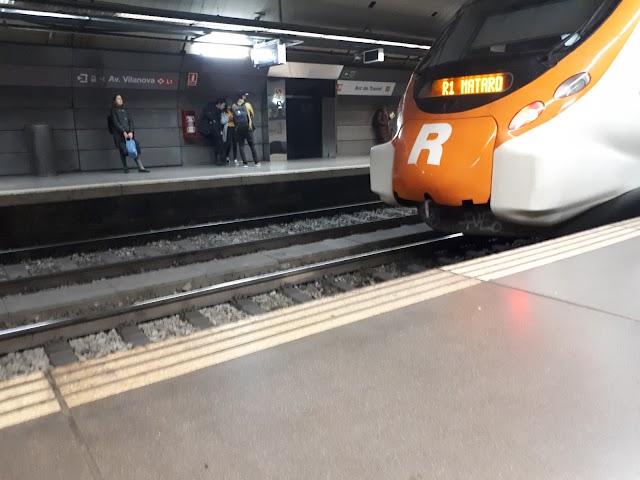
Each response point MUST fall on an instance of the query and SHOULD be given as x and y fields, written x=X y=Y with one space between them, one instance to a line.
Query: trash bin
x=40 y=141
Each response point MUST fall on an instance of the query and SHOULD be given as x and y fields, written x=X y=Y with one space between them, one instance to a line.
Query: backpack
x=241 y=117
x=110 y=124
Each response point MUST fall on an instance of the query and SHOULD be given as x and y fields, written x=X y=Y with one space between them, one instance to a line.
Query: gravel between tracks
x=50 y=265
x=23 y=363
x=273 y=301
x=98 y=345
x=42 y=267
x=86 y=259
x=223 y=313
x=356 y=279
x=165 y=328
x=317 y=289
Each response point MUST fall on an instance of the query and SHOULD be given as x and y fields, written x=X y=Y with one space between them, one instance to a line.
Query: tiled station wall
x=37 y=84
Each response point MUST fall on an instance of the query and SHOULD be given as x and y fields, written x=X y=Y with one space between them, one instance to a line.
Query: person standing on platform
x=212 y=127
x=232 y=139
x=381 y=127
x=122 y=128
x=243 y=118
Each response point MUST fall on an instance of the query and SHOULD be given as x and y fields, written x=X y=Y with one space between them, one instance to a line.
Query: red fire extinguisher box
x=189 y=124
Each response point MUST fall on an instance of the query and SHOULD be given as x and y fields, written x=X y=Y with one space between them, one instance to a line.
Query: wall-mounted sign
x=349 y=74
x=378 y=89
x=192 y=80
x=92 y=78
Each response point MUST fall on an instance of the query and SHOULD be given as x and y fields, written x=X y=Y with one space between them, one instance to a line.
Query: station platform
x=524 y=364
x=48 y=210
x=27 y=190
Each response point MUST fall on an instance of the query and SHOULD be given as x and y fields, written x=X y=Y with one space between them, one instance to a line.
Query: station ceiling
x=405 y=18
x=411 y=21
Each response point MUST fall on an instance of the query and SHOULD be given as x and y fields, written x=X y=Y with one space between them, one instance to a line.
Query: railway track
x=53 y=333
x=121 y=267
x=10 y=255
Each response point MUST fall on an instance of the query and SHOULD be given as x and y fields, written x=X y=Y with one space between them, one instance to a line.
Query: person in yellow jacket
x=243 y=119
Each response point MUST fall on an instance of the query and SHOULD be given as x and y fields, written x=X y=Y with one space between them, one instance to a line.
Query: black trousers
x=232 y=141
x=218 y=147
x=246 y=135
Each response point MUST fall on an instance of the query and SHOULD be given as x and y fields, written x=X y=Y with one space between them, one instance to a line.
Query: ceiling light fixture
x=37 y=13
x=222 y=45
x=277 y=31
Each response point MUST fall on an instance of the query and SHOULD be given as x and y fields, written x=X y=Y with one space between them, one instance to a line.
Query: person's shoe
x=235 y=160
x=143 y=170
x=245 y=165
x=258 y=164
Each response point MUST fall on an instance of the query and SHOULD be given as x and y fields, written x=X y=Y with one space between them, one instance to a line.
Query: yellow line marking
x=24 y=389
x=32 y=377
x=74 y=400
x=253 y=322
x=27 y=400
x=529 y=258
x=30 y=413
x=286 y=320
x=527 y=251
x=30 y=397
x=555 y=258
x=548 y=246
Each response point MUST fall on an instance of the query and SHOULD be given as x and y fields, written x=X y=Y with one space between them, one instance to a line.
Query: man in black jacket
x=212 y=127
x=123 y=128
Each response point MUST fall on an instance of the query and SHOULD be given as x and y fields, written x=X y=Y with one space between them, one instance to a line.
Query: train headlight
x=527 y=115
x=572 y=85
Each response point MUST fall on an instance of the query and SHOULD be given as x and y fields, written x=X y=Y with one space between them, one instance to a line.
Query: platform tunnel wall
x=37 y=84
x=40 y=84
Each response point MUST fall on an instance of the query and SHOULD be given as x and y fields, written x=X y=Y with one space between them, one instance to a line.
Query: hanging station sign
x=377 y=89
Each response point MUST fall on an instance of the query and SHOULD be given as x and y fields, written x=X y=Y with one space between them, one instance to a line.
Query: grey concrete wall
x=40 y=84
x=354 y=114
x=353 y=119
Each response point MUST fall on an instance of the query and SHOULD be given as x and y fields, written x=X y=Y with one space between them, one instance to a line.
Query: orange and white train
x=523 y=117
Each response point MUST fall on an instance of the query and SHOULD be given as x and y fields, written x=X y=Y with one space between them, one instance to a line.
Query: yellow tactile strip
x=94 y=380
x=30 y=397
x=26 y=398
x=526 y=258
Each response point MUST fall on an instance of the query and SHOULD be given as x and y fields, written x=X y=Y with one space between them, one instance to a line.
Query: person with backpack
x=122 y=127
x=212 y=127
x=243 y=117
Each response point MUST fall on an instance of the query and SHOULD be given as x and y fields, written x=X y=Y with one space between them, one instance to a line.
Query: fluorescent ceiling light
x=225 y=38
x=277 y=31
x=222 y=45
x=36 y=13
x=151 y=18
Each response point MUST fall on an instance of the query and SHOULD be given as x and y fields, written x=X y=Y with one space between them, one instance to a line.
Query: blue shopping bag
x=132 y=151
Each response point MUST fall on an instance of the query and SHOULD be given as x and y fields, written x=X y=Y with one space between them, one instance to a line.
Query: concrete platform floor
x=23 y=190
x=516 y=366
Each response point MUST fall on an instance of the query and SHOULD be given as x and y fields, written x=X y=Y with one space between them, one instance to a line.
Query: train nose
x=449 y=161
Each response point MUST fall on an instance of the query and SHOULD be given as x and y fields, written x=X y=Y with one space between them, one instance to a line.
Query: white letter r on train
x=442 y=132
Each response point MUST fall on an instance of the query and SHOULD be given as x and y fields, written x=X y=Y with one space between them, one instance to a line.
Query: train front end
x=500 y=130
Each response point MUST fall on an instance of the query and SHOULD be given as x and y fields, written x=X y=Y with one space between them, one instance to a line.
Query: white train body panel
x=584 y=156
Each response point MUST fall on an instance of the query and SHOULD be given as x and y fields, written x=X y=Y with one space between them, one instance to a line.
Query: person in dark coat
x=123 y=129
x=381 y=126
x=213 y=127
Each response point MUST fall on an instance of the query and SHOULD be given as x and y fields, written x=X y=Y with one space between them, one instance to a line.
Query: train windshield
x=489 y=28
